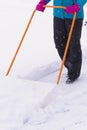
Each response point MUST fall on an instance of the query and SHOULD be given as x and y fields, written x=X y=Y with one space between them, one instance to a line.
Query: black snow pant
x=73 y=60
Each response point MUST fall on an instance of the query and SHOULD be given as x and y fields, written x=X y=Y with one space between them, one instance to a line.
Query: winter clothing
x=74 y=57
x=40 y=7
x=60 y=13
x=72 y=9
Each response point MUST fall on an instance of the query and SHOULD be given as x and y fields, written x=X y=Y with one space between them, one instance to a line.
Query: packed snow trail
x=64 y=107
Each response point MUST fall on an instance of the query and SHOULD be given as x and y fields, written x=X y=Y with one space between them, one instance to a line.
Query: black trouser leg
x=60 y=36
x=75 y=53
x=74 y=56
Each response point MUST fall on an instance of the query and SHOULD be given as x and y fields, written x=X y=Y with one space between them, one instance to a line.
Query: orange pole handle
x=49 y=6
x=67 y=46
x=20 y=43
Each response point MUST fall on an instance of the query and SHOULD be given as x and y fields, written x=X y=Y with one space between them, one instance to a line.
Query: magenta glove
x=40 y=7
x=72 y=9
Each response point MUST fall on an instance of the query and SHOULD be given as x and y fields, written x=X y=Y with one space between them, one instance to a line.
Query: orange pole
x=20 y=43
x=49 y=6
x=68 y=40
x=66 y=49
x=14 y=57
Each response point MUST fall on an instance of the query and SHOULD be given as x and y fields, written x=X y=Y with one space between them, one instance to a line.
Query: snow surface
x=29 y=96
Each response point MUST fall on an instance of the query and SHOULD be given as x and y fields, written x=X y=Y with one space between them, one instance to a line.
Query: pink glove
x=72 y=9
x=40 y=7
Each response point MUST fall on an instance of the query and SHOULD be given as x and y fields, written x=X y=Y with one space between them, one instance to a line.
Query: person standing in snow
x=62 y=22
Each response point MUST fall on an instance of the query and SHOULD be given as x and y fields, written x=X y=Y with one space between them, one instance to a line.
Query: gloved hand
x=72 y=9
x=40 y=7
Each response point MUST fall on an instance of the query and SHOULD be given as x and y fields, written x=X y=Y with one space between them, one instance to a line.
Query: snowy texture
x=29 y=96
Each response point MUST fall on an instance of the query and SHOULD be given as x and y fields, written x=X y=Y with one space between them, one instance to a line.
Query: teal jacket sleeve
x=81 y=2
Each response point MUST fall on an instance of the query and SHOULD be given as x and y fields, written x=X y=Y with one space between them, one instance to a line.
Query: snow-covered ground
x=29 y=96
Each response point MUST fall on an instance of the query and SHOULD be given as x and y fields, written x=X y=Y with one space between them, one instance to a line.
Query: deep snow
x=29 y=96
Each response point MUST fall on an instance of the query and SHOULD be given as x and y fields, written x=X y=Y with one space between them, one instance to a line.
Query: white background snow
x=29 y=96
